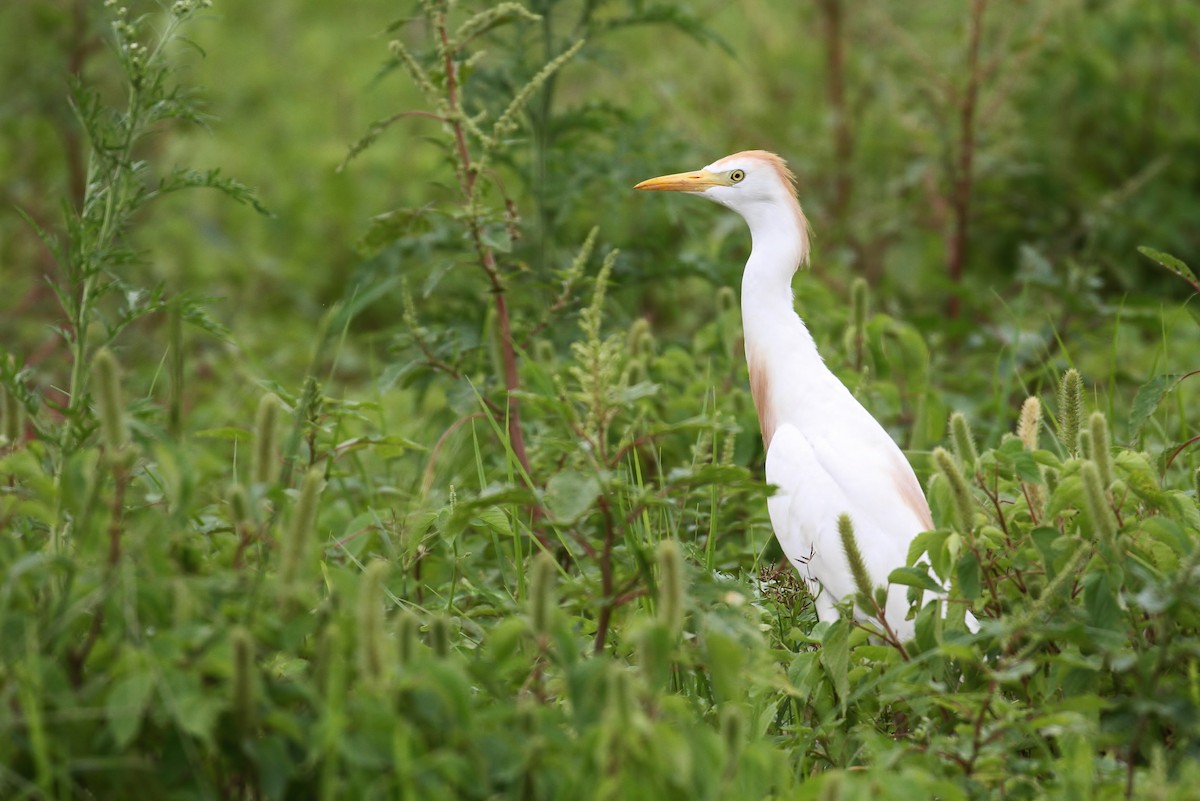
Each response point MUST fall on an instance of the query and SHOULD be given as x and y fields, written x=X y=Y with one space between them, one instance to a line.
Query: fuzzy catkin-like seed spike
x=1029 y=425
x=1070 y=410
x=733 y=732
x=506 y=122
x=858 y=567
x=439 y=635
x=1085 y=450
x=860 y=296
x=265 y=465
x=1101 y=447
x=1094 y=497
x=299 y=533
x=11 y=419
x=640 y=342
x=964 y=441
x=244 y=702
x=372 y=664
x=239 y=504
x=408 y=631
x=489 y=18
x=962 y=508
x=541 y=593
x=106 y=380
x=670 y=586
x=726 y=300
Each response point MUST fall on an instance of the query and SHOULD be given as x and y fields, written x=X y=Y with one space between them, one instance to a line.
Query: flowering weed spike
x=106 y=381
x=1070 y=410
x=439 y=635
x=299 y=533
x=1101 y=447
x=859 y=308
x=244 y=702
x=541 y=593
x=962 y=507
x=408 y=630
x=239 y=505
x=858 y=567
x=1096 y=500
x=265 y=467
x=670 y=587
x=963 y=441
x=372 y=664
x=1030 y=423
x=1086 y=451
x=11 y=419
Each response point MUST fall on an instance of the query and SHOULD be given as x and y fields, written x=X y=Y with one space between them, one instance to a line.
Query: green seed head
x=962 y=506
x=1101 y=447
x=439 y=635
x=854 y=557
x=1096 y=501
x=372 y=664
x=670 y=586
x=106 y=382
x=239 y=504
x=1030 y=423
x=294 y=558
x=541 y=593
x=1070 y=410
x=244 y=700
x=266 y=440
x=963 y=441
x=408 y=630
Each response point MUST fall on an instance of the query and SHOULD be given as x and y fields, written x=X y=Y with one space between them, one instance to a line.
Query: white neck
x=780 y=353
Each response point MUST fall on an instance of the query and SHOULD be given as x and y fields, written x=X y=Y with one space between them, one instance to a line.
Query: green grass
x=441 y=479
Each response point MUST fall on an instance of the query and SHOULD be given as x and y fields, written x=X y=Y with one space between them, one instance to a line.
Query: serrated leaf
x=569 y=494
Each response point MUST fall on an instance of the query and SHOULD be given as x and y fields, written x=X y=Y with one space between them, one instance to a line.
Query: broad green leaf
x=914 y=577
x=968 y=574
x=726 y=660
x=1149 y=396
x=835 y=658
x=1100 y=599
x=126 y=703
x=569 y=494
x=1171 y=263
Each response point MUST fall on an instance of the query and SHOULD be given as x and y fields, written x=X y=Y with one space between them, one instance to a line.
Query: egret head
x=756 y=184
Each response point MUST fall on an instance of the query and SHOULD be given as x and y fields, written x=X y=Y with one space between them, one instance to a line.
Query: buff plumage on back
x=789 y=180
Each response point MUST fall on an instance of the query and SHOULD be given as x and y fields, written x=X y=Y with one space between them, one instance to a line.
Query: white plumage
x=826 y=453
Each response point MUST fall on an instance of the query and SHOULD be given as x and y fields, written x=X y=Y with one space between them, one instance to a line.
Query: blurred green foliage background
x=990 y=169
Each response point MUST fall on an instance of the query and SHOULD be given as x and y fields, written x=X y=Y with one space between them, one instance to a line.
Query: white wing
x=860 y=478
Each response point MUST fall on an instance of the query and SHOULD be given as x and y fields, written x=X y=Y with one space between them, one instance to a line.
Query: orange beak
x=696 y=181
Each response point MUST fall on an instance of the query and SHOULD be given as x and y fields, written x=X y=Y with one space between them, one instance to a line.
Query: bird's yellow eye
x=737 y=175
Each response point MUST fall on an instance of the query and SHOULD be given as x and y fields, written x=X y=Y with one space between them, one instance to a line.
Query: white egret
x=826 y=453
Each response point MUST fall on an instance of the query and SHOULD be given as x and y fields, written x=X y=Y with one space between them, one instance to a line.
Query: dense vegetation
x=364 y=436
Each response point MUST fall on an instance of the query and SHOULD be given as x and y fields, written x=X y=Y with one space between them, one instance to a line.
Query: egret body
x=826 y=453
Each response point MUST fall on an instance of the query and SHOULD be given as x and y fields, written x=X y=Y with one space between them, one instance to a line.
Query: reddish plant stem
x=487 y=260
x=956 y=250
